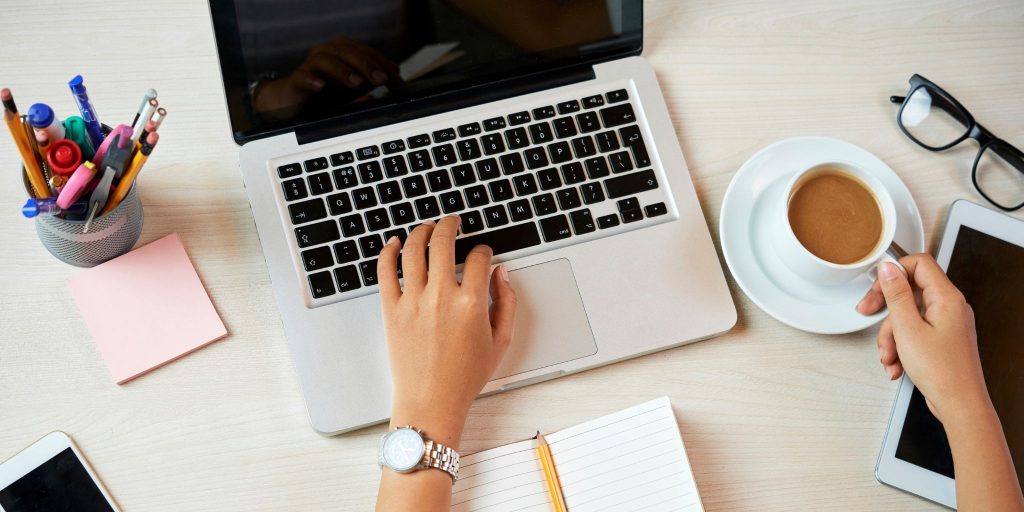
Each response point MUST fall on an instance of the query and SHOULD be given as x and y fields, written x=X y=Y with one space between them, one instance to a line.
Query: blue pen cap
x=31 y=209
x=40 y=115
x=76 y=84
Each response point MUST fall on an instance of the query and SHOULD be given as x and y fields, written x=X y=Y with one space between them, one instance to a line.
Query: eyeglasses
x=936 y=121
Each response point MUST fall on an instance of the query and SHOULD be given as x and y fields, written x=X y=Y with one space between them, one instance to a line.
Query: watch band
x=441 y=457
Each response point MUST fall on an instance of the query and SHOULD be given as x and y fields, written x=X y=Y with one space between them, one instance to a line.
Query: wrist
x=441 y=427
x=968 y=414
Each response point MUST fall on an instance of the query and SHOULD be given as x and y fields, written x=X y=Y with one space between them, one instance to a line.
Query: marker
x=64 y=157
x=134 y=168
x=14 y=125
x=92 y=123
x=42 y=118
x=140 y=125
x=75 y=131
x=48 y=206
x=150 y=94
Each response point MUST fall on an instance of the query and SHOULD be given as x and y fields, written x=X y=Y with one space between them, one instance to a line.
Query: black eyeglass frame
x=972 y=130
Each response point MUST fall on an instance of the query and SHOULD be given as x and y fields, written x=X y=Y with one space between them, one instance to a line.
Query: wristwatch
x=406 y=449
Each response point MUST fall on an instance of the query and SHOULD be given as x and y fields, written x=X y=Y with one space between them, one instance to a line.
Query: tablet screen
x=990 y=273
x=59 y=484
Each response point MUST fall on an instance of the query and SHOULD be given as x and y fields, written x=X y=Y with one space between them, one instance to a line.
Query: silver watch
x=406 y=449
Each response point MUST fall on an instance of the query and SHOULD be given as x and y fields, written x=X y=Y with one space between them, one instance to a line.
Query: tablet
x=52 y=475
x=982 y=252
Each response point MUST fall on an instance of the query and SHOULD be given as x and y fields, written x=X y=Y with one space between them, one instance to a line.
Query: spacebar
x=519 y=236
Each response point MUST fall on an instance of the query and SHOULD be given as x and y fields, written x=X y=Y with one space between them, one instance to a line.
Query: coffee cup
x=834 y=222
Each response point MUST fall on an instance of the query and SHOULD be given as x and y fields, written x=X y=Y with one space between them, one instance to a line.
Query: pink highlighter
x=76 y=186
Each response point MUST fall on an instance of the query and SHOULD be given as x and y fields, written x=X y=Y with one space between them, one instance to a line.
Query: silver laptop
x=536 y=121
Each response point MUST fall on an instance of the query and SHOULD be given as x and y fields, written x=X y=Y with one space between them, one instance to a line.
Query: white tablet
x=52 y=475
x=982 y=252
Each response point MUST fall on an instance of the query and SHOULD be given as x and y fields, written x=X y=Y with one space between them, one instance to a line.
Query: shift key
x=630 y=184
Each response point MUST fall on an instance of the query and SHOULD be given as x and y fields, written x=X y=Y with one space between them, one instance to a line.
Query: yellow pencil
x=125 y=184
x=32 y=169
x=550 y=474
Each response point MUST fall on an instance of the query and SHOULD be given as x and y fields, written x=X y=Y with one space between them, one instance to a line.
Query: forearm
x=428 y=490
x=985 y=476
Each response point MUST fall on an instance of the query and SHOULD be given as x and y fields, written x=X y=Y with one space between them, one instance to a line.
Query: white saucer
x=748 y=252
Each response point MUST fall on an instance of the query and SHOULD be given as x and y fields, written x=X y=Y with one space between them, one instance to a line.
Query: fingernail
x=504 y=272
x=316 y=83
x=355 y=79
x=391 y=240
x=379 y=77
x=429 y=223
x=887 y=271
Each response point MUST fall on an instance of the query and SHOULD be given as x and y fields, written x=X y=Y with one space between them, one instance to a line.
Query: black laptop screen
x=288 y=63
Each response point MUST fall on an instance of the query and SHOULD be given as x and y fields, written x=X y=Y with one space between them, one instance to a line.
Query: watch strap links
x=439 y=456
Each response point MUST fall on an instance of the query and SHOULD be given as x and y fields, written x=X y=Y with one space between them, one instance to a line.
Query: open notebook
x=628 y=461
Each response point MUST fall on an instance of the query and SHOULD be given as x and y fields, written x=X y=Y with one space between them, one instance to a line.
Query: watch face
x=403 y=449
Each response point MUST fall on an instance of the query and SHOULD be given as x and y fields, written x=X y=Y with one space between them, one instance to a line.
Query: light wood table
x=773 y=418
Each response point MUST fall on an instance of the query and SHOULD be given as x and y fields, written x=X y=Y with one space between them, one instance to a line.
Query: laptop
x=536 y=121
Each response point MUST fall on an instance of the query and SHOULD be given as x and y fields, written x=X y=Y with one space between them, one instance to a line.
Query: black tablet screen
x=990 y=273
x=60 y=484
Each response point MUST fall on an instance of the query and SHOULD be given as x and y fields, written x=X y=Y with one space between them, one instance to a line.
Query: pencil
x=14 y=124
x=550 y=474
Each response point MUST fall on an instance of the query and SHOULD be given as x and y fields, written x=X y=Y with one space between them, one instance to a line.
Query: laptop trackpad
x=551 y=323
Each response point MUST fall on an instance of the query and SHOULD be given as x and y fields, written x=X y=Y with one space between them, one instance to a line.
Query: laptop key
x=525 y=184
x=487 y=169
x=339 y=159
x=564 y=127
x=630 y=203
x=607 y=141
x=584 y=147
x=592 y=193
x=427 y=208
x=569 y=107
x=568 y=198
x=289 y=170
x=656 y=209
x=573 y=173
x=582 y=221
x=368 y=152
x=608 y=221
x=495 y=216
x=393 y=147
x=364 y=198
x=632 y=139
x=476 y=196
x=543 y=112
x=295 y=189
x=370 y=245
x=316 y=234
x=631 y=216
x=346 y=251
x=444 y=155
x=519 y=118
x=472 y=222
x=555 y=228
x=618 y=115
x=536 y=158
x=544 y=204
x=348 y=278
x=339 y=203
x=616 y=96
x=501 y=241
x=418 y=141
x=512 y=163
x=369 y=271
x=495 y=123
x=492 y=144
x=402 y=214
x=549 y=179
x=316 y=259
x=414 y=186
x=352 y=225
x=307 y=211
x=469 y=149
x=446 y=135
x=451 y=202
x=588 y=122
x=389 y=192
x=401 y=234
x=516 y=138
x=463 y=175
x=631 y=184
x=468 y=130
x=377 y=219
x=394 y=166
x=540 y=133
x=520 y=210
x=316 y=164
x=620 y=162
x=419 y=160
x=439 y=180
x=345 y=177
x=559 y=152
x=501 y=190
x=593 y=101
x=321 y=284
x=320 y=183
x=370 y=172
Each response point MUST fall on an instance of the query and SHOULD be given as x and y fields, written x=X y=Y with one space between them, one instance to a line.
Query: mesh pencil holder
x=109 y=235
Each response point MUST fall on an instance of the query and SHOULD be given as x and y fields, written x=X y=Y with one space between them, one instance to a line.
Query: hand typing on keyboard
x=445 y=338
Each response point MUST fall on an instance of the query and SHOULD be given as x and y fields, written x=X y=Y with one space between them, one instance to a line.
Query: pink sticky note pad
x=146 y=308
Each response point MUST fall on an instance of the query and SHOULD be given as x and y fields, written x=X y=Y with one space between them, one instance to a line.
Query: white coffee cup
x=802 y=261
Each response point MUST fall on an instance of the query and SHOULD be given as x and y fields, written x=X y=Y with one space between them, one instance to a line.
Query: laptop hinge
x=446 y=102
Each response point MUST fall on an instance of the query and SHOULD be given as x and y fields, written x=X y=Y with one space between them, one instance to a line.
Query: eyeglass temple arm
x=897 y=99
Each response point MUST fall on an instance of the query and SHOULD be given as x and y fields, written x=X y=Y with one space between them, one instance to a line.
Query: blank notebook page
x=633 y=460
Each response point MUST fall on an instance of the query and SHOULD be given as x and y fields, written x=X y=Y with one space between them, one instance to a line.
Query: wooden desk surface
x=773 y=418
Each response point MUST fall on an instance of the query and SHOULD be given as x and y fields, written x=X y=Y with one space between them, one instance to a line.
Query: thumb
x=503 y=308
x=898 y=297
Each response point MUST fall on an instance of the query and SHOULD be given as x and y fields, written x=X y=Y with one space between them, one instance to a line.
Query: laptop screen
x=288 y=63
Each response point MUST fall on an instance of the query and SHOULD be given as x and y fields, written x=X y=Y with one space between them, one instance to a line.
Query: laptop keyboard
x=537 y=178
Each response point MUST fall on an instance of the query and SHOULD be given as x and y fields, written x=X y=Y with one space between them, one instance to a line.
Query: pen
x=550 y=474
x=48 y=206
x=42 y=118
x=147 y=113
x=57 y=183
x=92 y=123
x=13 y=122
x=131 y=173
x=150 y=94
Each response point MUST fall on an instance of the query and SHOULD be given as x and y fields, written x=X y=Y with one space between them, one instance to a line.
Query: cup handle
x=891 y=255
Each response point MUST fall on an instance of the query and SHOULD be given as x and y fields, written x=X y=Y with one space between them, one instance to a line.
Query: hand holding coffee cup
x=835 y=223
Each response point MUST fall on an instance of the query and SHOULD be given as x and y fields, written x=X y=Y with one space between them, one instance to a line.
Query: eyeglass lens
x=932 y=120
x=1000 y=175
